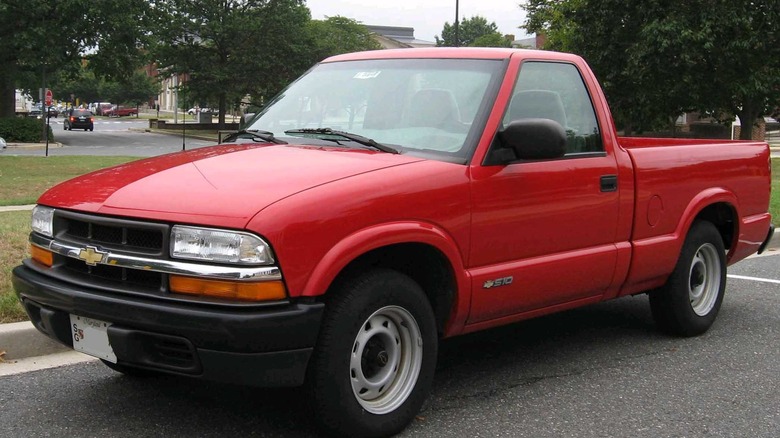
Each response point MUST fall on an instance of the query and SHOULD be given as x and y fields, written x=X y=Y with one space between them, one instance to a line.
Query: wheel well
x=423 y=263
x=723 y=216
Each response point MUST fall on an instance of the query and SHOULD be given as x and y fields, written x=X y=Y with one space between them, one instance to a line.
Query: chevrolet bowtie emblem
x=92 y=256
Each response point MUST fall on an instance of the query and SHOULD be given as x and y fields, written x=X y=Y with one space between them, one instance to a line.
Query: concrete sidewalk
x=17 y=207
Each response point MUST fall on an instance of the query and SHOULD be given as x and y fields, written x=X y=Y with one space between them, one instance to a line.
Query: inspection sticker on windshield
x=366 y=74
x=90 y=336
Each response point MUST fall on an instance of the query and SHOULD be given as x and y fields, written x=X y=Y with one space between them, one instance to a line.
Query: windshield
x=429 y=107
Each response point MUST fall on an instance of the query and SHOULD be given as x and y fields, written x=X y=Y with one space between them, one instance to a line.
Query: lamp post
x=457 y=40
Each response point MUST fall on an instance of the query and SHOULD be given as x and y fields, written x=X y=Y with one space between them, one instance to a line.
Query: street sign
x=48 y=97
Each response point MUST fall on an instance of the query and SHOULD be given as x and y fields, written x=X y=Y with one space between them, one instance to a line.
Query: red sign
x=48 y=97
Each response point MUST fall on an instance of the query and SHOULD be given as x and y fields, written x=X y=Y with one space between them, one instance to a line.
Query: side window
x=555 y=91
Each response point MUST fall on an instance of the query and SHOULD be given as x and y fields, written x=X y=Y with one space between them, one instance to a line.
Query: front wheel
x=690 y=300
x=374 y=362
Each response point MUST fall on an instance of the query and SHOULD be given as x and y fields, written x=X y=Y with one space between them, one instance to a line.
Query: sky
x=427 y=17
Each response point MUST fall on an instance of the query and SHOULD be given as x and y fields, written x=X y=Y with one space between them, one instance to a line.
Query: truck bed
x=673 y=176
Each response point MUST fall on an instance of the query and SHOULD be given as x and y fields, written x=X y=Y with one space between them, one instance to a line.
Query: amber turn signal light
x=237 y=290
x=42 y=256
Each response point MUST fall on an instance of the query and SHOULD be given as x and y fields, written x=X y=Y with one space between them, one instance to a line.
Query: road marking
x=762 y=280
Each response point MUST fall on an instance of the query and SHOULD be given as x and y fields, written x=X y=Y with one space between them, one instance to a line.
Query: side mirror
x=534 y=139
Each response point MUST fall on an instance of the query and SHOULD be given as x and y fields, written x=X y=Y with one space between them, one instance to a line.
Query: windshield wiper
x=365 y=141
x=253 y=134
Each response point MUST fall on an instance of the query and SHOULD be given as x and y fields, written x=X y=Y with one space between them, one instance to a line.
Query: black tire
x=688 y=303
x=130 y=371
x=378 y=327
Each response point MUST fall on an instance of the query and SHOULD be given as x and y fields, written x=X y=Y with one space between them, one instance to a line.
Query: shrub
x=23 y=130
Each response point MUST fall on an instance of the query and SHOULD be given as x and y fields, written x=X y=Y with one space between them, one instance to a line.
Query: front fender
x=375 y=237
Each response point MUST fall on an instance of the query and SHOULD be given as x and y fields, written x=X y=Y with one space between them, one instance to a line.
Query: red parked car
x=120 y=111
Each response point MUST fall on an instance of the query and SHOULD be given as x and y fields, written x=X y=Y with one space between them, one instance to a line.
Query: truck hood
x=223 y=185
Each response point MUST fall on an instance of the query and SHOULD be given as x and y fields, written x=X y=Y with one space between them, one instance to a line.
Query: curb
x=21 y=340
x=33 y=145
x=173 y=133
x=17 y=207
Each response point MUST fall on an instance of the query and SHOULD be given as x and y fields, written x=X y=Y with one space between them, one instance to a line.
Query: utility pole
x=457 y=40
x=44 y=108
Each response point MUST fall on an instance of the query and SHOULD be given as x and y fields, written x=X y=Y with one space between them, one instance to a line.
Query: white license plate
x=90 y=336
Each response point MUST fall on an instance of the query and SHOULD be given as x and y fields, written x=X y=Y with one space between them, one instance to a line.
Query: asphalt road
x=599 y=371
x=112 y=137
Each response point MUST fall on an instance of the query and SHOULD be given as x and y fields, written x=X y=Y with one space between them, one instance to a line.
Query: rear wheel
x=374 y=362
x=688 y=303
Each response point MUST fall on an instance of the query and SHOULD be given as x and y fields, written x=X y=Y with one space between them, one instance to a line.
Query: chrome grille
x=116 y=234
x=135 y=238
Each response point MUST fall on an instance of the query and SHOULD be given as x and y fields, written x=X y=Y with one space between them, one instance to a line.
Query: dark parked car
x=79 y=119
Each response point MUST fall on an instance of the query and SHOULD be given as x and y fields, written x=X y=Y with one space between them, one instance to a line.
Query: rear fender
x=703 y=200
x=654 y=258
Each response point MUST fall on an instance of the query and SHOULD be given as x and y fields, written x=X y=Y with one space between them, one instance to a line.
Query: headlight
x=219 y=246
x=43 y=220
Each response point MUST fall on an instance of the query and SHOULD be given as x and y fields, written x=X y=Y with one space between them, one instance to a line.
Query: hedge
x=23 y=130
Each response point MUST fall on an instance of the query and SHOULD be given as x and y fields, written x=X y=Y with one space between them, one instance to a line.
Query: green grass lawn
x=14 y=228
x=24 y=179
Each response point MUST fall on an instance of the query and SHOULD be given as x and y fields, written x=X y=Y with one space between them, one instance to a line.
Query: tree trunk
x=747 y=119
x=628 y=129
x=7 y=94
x=222 y=108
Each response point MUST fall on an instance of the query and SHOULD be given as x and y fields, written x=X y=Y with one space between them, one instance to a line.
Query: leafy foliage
x=474 y=31
x=231 y=48
x=223 y=50
x=658 y=59
x=337 y=35
x=23 y=130
x=42 y=37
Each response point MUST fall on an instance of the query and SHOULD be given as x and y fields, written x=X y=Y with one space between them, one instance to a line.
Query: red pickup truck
x=118 y=111
x=382 y=202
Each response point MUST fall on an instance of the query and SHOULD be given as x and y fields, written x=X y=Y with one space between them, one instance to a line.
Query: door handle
x=609 y=183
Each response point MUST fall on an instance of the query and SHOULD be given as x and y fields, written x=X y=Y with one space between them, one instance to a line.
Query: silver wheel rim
x=704 y=279
x=386 y=360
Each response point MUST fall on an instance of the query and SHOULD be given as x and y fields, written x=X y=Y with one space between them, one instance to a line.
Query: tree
x=469 y=31
x=135 y=90
x=232 y=48
x=84 y=86
x=727 y=53
x=658 y=59
x=336 y=35
x=43 y=38
x=491 y=40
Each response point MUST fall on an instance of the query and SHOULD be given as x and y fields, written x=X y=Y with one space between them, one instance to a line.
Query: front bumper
x=261 y=346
